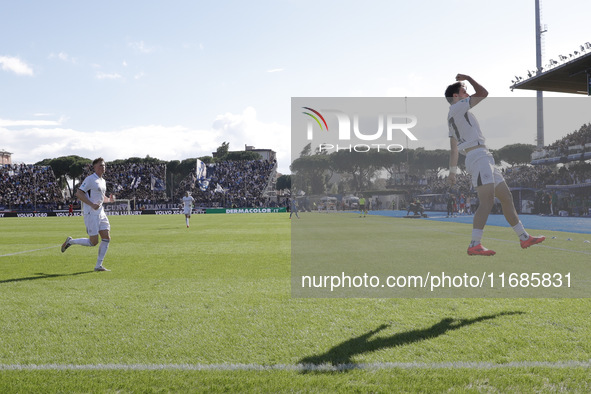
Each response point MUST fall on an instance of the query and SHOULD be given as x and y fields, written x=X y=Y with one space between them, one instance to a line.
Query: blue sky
x=174 y=79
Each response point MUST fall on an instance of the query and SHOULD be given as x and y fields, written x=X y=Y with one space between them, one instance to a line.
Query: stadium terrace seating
x=28 y=187
x=139 y=181
x=575 y=146
x=232 y=183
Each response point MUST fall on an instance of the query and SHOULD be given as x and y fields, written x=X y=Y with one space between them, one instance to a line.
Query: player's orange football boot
x=532 y=241
x=479 y=250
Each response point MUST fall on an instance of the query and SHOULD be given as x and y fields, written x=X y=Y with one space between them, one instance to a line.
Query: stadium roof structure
x=568 y=77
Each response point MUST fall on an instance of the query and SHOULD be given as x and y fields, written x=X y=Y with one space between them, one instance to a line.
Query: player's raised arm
x=480 y=92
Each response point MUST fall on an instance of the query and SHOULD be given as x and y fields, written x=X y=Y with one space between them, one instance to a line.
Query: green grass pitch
x=209 y=309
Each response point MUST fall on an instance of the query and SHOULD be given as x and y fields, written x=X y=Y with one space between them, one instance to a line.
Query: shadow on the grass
x=340 y=357
x=41 y=275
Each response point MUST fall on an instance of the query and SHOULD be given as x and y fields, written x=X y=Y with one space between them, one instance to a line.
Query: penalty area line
x=296 y=367
x=28 y=251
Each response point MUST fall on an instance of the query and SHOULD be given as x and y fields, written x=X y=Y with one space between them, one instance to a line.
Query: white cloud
x=188 y=45
x=15 y=65
x=36 y=143
x=246 y=129
x=163 y=142
x=28 y=123
x=141 y=47
x=275 y=70
x=102 y=75
x=63 y=56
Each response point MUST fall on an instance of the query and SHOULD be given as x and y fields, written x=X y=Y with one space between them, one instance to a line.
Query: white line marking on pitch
x=28 y=251
x=295 y=367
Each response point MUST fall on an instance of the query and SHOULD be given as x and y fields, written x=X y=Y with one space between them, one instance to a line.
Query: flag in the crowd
x=201 y=170
x=203 y=184
x=219 y=189
x=201 y=175
x=157 y=184
x=136 y=182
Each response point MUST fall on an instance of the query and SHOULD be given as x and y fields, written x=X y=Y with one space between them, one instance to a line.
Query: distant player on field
x=362 y=208
x=188 y=201
x=92 y=193
x=294 y=208
x=466 y=136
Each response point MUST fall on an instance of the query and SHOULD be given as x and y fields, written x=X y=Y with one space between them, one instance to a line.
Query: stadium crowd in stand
x=574 y=175
x=559 y=148
x=29 y=187
x=139 y=181
x=243 y=183
x=535 y=178
x=579 y=137
x=231 y=184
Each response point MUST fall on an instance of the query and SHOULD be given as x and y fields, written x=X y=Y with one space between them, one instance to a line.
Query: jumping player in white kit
x=466 y=136
x=92 y=193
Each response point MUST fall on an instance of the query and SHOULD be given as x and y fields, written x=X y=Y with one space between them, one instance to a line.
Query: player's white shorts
x=187 y=211
x=481 y=165
x=96 y=222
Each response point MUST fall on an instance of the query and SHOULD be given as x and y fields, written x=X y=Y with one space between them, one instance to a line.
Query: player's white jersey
x=463 y=126
x=95 y=189
x=188 y=202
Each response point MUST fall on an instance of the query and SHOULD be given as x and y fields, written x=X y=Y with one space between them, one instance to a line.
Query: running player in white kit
x=188 y=201
x=92 y=193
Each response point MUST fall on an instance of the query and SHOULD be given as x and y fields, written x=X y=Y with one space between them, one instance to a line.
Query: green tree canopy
x=283 y=182
x=67 y=166
x=360 y=165
x=308 y=173
x=222 y=151
x=430 y=160
x=515 y=154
